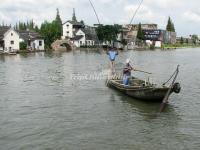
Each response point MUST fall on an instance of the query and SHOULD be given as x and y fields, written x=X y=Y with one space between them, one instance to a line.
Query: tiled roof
x=29 y=35
x=90 y=34
x=75 y=23
x=3 y=30
x=76 y=38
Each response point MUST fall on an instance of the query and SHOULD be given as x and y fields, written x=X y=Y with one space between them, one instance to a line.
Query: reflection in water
x=42 y=108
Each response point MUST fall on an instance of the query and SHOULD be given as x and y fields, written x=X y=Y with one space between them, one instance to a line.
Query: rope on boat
x=165 y=100
x=172 y=75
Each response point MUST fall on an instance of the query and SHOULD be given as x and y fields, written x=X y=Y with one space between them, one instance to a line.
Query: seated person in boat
x=127 y=72
x=112 y=53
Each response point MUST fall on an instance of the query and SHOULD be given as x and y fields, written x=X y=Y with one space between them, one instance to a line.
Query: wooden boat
x=142 y=90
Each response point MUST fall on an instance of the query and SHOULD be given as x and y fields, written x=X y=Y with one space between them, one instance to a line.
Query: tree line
x=29 y=25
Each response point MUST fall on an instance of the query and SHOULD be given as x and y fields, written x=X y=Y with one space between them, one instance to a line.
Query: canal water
x=45 y=104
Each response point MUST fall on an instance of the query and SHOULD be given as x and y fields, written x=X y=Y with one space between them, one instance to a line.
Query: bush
x=22 y=45
x=152 y=46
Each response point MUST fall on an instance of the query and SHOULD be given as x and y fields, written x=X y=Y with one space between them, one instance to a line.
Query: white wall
x=89 y=42
x=36 y=44
x=9 y=36
x=67 y=30
x=82 y=40
x=158 y=44
x=78 y=42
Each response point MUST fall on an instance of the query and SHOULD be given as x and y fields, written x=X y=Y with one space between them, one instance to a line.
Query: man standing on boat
x=127 y=72
x=112 y=53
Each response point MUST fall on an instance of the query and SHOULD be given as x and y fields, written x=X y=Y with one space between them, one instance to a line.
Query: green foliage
x=152 y=47
x=140 y=33
x=170 y=25
x=108 y=32
x=194 y=39
x=51 y=31
x=23 y=46
x=59 y=21
x=82 y=22
x=45 y=31
x=74 y=16
x=24 y=26
x=124 y=42
x=181 y=41
x=187 y=41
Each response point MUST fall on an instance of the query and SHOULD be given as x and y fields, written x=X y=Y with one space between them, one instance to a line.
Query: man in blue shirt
x=112 y=53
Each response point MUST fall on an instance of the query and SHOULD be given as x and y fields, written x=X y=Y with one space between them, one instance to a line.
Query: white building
x=70 y=28
x=78 y=33
x=84 y=37
x=33 y=40
x=9 y=39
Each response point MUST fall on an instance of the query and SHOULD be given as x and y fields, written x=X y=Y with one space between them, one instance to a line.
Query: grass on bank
x=179 y=45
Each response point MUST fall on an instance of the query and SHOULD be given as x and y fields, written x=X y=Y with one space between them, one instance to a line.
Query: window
x=11 y=34
x=80 y=42
x=40 y=43
x=12 y=42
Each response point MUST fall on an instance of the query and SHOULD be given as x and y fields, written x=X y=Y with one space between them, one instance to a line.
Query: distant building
x=33 y=40
x=159 y=37
x=129 y=32
x=78 y=33
x=9 y=39
x=70 y=28
x=134 y=27
x=85 y=37
x=169 y=37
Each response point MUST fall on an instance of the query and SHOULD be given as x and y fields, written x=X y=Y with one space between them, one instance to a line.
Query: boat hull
x=145 y=93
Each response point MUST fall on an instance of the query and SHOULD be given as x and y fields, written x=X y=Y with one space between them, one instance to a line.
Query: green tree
x=74 y=16
x=182 y=40
x=23 y=45
x=170 y=25
x=36 y=29
x=124 y=42
x=50 y=31
x=58 y=24
x=82 y=22
x=108 y=32
x=187 y=41
x=46 y=32
x=194 y=39
x=140 y=33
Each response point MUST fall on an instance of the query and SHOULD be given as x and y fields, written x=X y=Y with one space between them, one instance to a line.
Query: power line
x=136 y=12
x=94 y=11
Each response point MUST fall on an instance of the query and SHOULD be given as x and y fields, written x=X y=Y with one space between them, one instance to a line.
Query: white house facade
x=83 y=37
x=9 y=39
x=67 y=30
x=33 y=40
x=78 y=33
x=78 y=41
x=37 y=44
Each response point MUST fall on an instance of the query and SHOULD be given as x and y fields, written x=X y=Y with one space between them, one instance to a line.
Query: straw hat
x=128 y=61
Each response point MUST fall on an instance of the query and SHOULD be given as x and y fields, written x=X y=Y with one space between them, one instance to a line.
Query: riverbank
x=179 y=46
x=21 y=51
